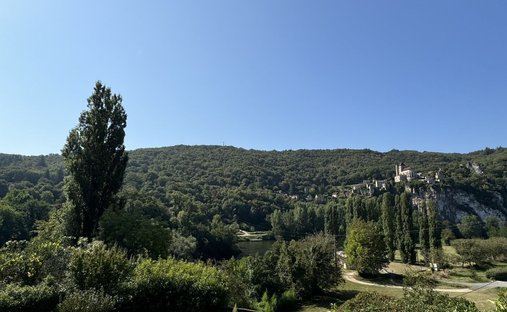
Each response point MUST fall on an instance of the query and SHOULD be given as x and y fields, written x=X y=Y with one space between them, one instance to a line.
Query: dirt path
x=350 y=276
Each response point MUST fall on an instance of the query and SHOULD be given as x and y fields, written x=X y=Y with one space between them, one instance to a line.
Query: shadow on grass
x=387 y=279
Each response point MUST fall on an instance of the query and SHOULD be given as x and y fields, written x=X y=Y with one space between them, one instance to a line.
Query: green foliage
x=299 y=269
x=42 y=297
x=99 y=267
x=414 y=300
x=96 y=159
x=406 y=238
x=11 y=224
x=501 y=302
x=368 y=302
x=480 y=251
x=314 y=265
x=19 y=211
x=33 y=263
x=306 y=219
x=434 y=227
x=365 y=249
x=172 y=285
x=239 y=281
x=288 y=301
x=135 y=233
x=388 y=215
x=497 y=274
x=424 y=235
x=89 y=300
x=267 y=303
x=471 y=226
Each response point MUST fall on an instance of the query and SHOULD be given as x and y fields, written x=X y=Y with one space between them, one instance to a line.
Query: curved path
x=350 y=276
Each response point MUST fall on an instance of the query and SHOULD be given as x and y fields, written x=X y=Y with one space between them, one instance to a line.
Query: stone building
x=404 y=173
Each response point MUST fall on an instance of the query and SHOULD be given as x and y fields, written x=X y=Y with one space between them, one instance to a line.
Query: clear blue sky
x=262 y=74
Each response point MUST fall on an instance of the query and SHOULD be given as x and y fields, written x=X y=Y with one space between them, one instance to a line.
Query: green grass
x=483 y=299
x=342 y=293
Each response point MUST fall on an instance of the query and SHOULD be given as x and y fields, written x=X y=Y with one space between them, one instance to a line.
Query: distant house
x=342 y=259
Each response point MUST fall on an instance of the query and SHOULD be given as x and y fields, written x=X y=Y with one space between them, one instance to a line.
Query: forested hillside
x=246 y=186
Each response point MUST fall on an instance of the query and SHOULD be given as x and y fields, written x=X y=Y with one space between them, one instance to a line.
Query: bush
x=369 y=301
x=87 y=301
x=99 y=267
x=420 y=299
x=39 y=298
x=172 y=285
x=501 y=302
x=135 y=233
x=287 y=301
x=30 y=265
x=498 y=274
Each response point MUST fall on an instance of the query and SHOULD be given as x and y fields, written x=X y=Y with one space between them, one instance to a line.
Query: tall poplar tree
x=435 y=226
x=408 y=245
x=424 y=240
x=399 y=226
x=389 y=224
x=95 y=160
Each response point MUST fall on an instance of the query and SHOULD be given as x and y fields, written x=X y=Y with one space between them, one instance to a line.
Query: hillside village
x=403 y=173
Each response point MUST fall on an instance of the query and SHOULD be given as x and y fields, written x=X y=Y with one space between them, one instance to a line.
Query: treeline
x=246 y=186
x=402 y=225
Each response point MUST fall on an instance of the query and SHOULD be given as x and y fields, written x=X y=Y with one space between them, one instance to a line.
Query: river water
x=251 y=248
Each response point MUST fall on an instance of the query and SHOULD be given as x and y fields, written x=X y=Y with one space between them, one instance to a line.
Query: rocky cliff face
x=454 y=204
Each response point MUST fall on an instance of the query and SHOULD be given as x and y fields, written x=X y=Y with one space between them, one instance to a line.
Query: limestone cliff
x=454 y=204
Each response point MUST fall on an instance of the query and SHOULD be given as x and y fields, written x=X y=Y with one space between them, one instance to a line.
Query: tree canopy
x=95 y=159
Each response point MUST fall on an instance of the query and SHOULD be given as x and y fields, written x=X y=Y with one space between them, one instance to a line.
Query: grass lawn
x=483 y=299
x=342 y=293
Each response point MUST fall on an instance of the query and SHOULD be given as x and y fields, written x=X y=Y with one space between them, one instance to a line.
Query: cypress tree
x=399 y=227
x=435 y=227
x=331 y=220
x=388 y=224
x=408 y=245
x=424 y=240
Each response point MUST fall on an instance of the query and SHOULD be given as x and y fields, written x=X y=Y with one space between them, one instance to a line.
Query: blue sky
x=262 y=74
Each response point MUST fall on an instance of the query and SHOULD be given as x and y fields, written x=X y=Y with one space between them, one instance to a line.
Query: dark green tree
x=407 y=251
x=95 y=159
x=434 y=226
x=389 y=224
x=399 y=225
x=331 y=225
x=365 y=249
x=424 y=235
x=471 y=226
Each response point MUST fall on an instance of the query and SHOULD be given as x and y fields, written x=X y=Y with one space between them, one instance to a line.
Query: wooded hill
x=246 y=186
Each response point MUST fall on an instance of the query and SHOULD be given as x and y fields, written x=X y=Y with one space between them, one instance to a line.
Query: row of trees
x=402 y=225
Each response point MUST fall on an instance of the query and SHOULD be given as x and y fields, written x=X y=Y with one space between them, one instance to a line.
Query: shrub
x=498 y=274
x=90 y=300
x=287 y=301
x=99 y=267
x=369 y=301
x=172 y=285
x=29 y=263
x=267 y=303
x=39 y=298
x=19 y=267
x=135 y=233
x=501 y=302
